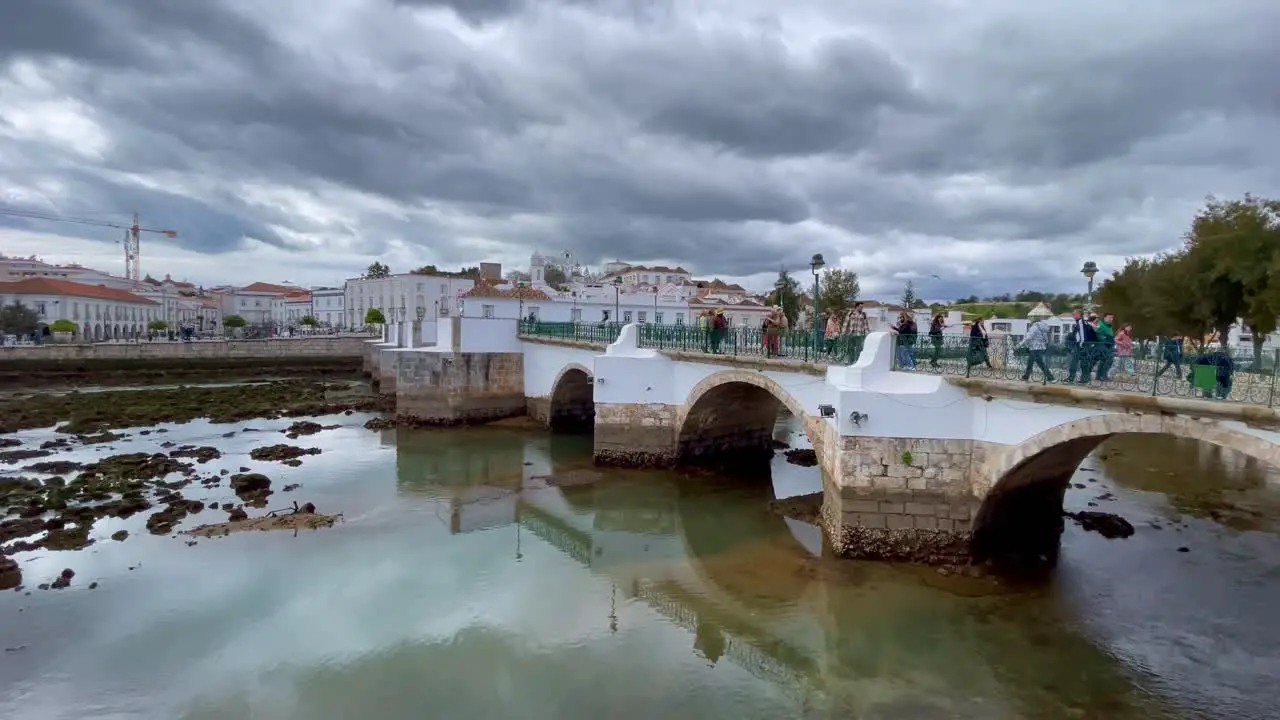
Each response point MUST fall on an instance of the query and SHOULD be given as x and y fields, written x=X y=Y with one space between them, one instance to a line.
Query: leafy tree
x=18 y=319
x=556 y=276
x=158 y=325
x=309 y=321
x=839 y=289
x=234 y=321
x=515 y=277
x=63 y=326
x=909 y=298
x=377 y=270
x=787 y=296
x=1236 y=244
x=374 y=317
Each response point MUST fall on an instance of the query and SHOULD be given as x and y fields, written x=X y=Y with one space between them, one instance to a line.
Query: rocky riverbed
x=93 y=413
x=57 y=488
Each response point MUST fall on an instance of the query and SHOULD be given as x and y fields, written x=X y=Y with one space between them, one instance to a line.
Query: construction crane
x=132 y=243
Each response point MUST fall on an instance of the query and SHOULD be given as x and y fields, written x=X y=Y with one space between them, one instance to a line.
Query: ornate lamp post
x=655 y=304
x=781 y=284
x=617 y=292
x=816 y=264
x=1089 y=270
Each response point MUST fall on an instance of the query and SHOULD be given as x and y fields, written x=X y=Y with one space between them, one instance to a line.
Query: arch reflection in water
x=704 y=554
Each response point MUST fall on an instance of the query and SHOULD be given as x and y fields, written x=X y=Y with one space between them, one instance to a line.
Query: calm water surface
x=477 y=574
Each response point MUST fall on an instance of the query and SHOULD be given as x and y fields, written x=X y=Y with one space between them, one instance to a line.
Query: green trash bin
x=1205 y=377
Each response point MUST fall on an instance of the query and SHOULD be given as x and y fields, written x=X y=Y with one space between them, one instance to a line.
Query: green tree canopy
x=374 y=317
x=377 y=270
x=234 y=321
x=158 y=325
x=63 y=326
x=18 y=319
x=309 y=321
x=786 y=293
x=1220 y=275
x=840 y=289
x=909 y=297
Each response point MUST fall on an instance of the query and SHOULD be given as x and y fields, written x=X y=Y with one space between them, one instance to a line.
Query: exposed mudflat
x=89 y=413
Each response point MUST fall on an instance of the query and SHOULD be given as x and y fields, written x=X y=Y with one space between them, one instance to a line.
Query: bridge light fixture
x=857 y=417
x=421 y=313
x=815 y=264
x=1089 y=270
x=826 y=411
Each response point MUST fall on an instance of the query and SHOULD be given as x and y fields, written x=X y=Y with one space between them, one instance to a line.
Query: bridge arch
x=732 y=411
x=1023 y=487
x=572 y=405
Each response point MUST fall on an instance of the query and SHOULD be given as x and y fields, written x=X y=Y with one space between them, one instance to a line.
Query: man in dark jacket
x=1082 y=338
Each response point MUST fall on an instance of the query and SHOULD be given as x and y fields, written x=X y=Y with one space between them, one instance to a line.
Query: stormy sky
x=996 y=144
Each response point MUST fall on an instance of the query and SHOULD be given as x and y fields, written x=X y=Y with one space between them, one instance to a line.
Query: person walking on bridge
x=1036 y=342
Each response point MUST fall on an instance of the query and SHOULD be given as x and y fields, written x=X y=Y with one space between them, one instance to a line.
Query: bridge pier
x=636 y=435
x=900 y=499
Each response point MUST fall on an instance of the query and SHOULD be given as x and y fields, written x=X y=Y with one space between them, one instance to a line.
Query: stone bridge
x=914 y=466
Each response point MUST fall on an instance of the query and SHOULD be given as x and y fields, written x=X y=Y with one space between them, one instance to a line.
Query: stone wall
x=636 y=435
x=388 y=370
x=901 y=499
x=538 y=408
x=437 y=388
x=143 y=362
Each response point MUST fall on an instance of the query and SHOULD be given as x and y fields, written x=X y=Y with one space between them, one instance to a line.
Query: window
x=75 y=311
x=679 y=318
x=657 y=318
x=643 y=317
x=244 y=302
x=486 y=311
x=626 y=316
x=576 y=316
x=40 y=309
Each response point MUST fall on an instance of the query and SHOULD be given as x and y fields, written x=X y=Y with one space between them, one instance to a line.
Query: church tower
x=537 y=270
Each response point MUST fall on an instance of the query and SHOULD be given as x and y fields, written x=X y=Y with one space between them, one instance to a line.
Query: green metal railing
x=578 y=332
x=751 y=342
x=1155 y=368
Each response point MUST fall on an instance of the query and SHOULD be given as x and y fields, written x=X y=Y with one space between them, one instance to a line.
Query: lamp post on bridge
x=617 y=292
x=816 y=264
x=1089 y=270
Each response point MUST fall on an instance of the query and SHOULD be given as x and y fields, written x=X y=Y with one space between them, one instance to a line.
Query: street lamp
x=1089 y=270
x=617 y=291
x=816 y=264
x=655 y=303
x=781 y=284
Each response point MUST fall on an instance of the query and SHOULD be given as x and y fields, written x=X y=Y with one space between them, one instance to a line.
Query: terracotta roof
x=268 y=287
x=483 y=289
x=298 y=297
x=48 y=286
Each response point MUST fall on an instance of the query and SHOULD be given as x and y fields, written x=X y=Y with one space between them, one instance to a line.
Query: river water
x=493 y=573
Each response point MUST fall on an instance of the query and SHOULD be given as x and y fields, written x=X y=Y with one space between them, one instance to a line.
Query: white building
x=406 y=294
x=14 y=269
x=287 y=311
x=329 y=307
x=253 y=302
x=99 y=312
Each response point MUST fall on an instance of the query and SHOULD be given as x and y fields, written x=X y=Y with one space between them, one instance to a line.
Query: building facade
x=98 y=312
x=329 y=307
x=253 y=302
x=405 y=296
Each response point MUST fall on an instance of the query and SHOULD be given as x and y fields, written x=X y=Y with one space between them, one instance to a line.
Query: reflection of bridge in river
x=766 y=657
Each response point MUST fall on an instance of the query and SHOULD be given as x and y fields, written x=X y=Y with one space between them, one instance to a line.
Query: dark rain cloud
x=993 y=145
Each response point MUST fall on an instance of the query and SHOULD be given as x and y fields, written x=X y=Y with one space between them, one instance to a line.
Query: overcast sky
x=995 y=143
